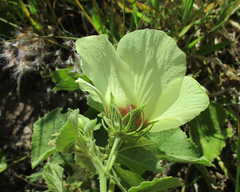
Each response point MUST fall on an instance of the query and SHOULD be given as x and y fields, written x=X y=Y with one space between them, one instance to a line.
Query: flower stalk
x=114 y=151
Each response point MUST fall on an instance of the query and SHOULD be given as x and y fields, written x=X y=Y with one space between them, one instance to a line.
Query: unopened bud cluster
x=129 y=121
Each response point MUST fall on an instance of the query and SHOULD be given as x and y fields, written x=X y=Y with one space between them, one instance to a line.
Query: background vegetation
x=37 y=39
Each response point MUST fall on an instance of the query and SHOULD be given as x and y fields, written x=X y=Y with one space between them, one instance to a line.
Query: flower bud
x=128 y=120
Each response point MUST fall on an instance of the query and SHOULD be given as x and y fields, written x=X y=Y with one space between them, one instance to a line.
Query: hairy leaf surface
x=157 y=185
x=44 y=129
x=207 y=131
x=174 y=146
x=139 y=156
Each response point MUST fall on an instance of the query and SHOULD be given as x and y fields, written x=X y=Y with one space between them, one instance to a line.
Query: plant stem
x=104 y=171
x=101 y=170
x=114 y=151
x=103 y=181
x=225 y=170
x=111 y=186
x=207 y=177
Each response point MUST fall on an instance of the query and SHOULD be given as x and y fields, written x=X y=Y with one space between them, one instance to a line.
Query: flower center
x=126 y=110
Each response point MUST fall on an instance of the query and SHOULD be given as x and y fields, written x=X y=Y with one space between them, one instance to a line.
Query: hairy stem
x=114 y=151
x=103 y=181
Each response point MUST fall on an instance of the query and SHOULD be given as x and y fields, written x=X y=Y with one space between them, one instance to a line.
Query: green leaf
x=234 y=147
x=209 y=49
x=174 y=146
x=94 y=104
x=3 y=163
x=134 y=13
x=139 y=156
x=66 y=139
x=157 y=185
x=155 y=4
x=80 y=173
x=53 y=174
x=61 y=74
x=187 y=27
x=67 y=84
x=92 y=114
x=207 y=131
x=35 y=176
x=188 y=9
x=127 y=178
x=89 y=128
x=62 y=159
x=43 y=129
x=65 y=160
x=66 y=79
x=194 y=42
x=33 y=6
x=98 y=23
x=85 y=161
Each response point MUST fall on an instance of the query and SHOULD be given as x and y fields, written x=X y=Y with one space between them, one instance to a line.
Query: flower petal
x=158 y=67
x=191 y=101
x=100 y=63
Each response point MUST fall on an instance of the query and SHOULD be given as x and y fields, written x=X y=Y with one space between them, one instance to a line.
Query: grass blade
x=187 y=11
x=142 y=14
x=133 y=17
x=25 y=10
x=187 y=46
x=86 y=15
x=124 y=4
x=209 y=49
